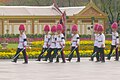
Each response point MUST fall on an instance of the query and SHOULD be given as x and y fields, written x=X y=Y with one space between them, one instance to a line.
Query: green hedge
x=41 y=35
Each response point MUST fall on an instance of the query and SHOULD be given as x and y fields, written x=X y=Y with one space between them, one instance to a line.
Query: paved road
x=85 y=70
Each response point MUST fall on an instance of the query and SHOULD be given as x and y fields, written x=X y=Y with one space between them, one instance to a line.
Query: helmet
x=46 y=27
x=114 y=25
x=53 y=29
x=74 y=27
x=59 y=27
x=96 y=26
x=100 y=28
x=21 y=27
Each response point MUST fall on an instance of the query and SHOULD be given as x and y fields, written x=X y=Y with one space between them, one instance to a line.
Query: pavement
x=84 y=70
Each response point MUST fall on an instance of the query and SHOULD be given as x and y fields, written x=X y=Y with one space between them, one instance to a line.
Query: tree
x=111 y=8
x=47 y=2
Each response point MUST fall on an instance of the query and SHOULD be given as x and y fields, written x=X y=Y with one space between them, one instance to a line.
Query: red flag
x=56 y=6
x=63 y=17
x=64 y=22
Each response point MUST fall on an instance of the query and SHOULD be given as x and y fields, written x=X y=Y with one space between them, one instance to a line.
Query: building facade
x=34 y=18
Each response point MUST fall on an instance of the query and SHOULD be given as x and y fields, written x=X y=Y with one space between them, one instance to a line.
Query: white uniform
x=96 y=39
x=115 y=38
x=53 y=41
x=46 y=41
x=101 y=40
x=22 y=41
x=75 y=40
x=60 y=41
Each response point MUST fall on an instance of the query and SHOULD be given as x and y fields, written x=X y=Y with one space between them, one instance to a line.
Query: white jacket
x=115 y=38
x=60 y=43
x=96 y=39
x=53 y=41
x=101 y=40
x=22 y=41
x=75 y=40
x=46 y=40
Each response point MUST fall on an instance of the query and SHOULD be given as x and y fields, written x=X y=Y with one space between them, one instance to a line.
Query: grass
x=11 y=45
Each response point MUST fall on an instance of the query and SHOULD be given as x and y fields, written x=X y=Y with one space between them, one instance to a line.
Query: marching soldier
x=95 y=42
x=46 y=42
x=74 y=43
x=101 y=44
x=60 y=44
x=115 y=42
x=52 y=46
x=22 y=45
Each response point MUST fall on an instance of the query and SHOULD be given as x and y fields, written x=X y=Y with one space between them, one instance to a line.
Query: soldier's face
x=95 y=31
x=113 y=30
x=74 y=32
x=99 y=32
x=21 y=31
x=53 y=32
x=58 y=31
x=46 y=32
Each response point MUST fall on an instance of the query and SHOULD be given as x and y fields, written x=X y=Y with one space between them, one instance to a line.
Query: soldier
x=60 y=44
x=46 y=42
x=22 y=45
x=74 y=43
x=115 y=42
x=101 y=44
x=52 y=46
x=95 y=42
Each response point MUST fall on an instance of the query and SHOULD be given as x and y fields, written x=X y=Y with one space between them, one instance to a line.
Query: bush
x=34 y=54
x=41 y=36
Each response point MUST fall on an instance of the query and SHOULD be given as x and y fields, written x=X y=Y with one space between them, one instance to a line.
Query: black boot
x=68 y=60
x=25 y=63
x=38 y=59
x=63 y=62
x=14 y=61
x=91 y=59
x=57 y=62
x=78 y=61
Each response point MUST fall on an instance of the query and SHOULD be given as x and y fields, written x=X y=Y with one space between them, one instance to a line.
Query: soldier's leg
x=78 y=54
x=63 y=56
x=110 y=53
x=93 y=54
x=71 y=54
x=41 y=54
x=102 y=55
x=48 y=54
x=16 y=55
x=117 y=54
x=25 y=56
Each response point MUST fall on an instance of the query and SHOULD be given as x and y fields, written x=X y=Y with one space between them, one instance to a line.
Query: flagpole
x=63 y=14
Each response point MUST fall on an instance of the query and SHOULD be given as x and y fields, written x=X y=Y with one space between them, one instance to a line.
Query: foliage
x=34 y=54
x=85 y=49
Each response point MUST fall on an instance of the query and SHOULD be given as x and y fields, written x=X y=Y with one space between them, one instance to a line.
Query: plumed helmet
x=53 y=29
x=46 y=28
x=21 y=27
x=96 y=26
x=59 y=27
x=114 y=25
x=100 y=28
x=74 y=27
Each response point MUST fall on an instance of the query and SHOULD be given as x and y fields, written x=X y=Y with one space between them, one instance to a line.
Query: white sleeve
x=49 y=40
x=103 y=39
x=117 y=38
x=78 y=39
x=24 y=40
x=63 y=39
x=94 y=37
